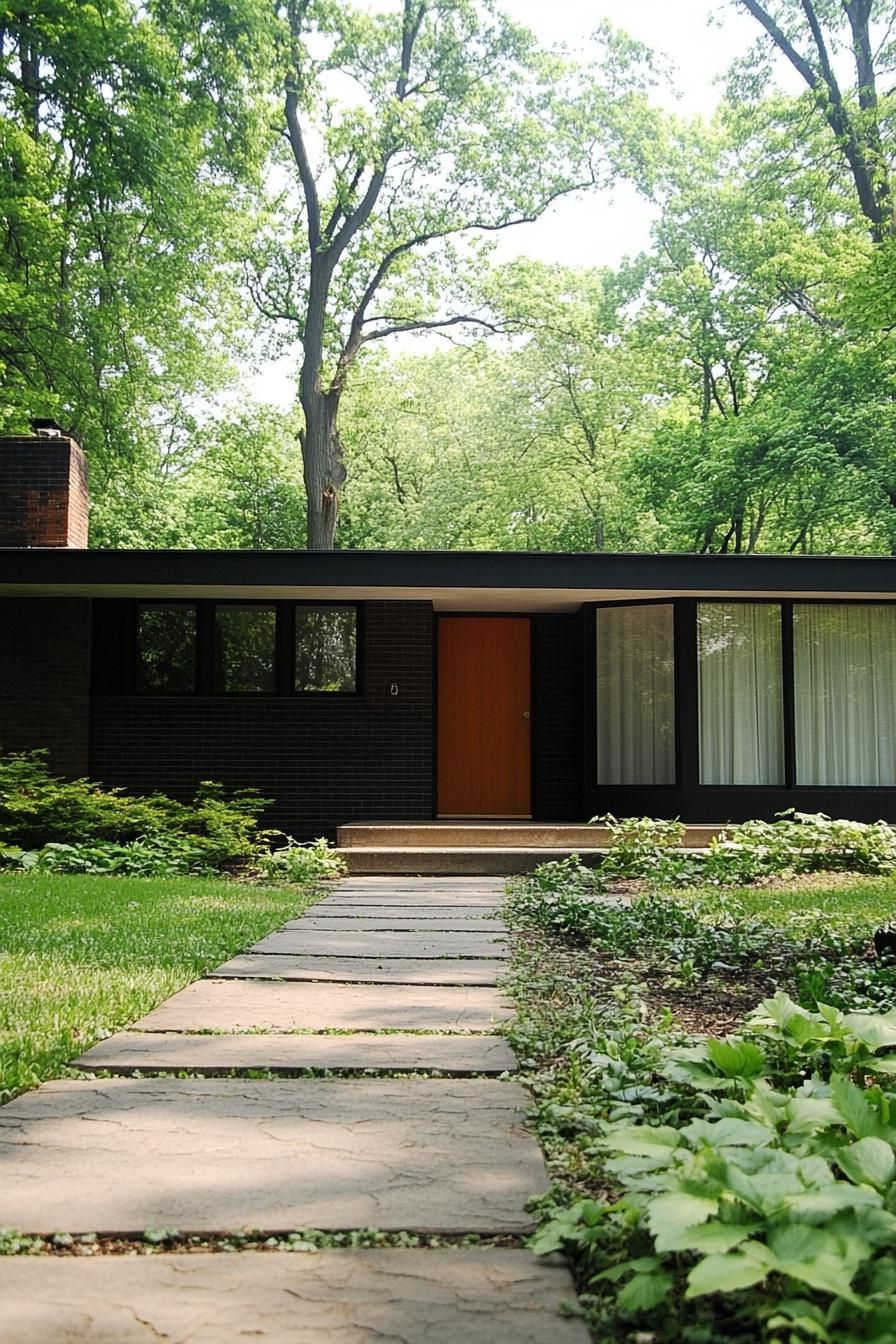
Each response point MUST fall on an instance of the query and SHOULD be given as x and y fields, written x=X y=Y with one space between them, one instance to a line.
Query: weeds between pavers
x=155 y=1240
x=741 y=1187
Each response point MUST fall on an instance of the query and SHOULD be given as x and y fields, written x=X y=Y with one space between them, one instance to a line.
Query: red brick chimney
x=43 y=489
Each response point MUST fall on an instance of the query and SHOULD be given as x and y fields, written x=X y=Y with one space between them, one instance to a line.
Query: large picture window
x=636 y=695
x=844 y=657
x=740 y=693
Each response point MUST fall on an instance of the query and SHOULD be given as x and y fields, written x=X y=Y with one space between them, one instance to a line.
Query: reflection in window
x=740 y=693
x=166 y=649
x=326 y=649
x=845 y=694
x=244 y=648
x=635 y=695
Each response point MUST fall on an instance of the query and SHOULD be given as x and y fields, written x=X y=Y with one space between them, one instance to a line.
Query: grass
x=81 y=957
x=845 y=901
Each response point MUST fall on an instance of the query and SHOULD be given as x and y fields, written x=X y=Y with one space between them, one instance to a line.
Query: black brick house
x=388 y=686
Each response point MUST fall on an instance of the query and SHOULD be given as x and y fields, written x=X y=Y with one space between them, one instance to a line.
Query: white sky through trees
x=697 y=38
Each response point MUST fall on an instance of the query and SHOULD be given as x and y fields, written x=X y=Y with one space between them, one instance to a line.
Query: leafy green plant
x=778 y=1182
x=78 y=826
x=799 y=842
x=646 y=847
x=294 y=862
x=561 y=897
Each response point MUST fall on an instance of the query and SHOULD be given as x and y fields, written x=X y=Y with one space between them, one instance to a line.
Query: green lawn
x=82 y=956
x=846 y=902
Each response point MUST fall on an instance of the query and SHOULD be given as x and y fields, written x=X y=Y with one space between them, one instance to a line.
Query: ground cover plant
x=82 y=956
x=715 y=1079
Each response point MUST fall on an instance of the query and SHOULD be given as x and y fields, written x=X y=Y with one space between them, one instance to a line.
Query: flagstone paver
x=160 y=1052
x=263 y=1005
x=391 y=923
x=331 y=908
x=208 y=1155
x=336 y=1297
x=365 y=970
x=354 y=986
x=367 y=944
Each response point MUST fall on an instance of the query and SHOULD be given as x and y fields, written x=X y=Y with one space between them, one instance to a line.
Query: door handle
x=525 y=713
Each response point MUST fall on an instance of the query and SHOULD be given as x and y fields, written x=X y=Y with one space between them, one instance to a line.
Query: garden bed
x=607 y=1014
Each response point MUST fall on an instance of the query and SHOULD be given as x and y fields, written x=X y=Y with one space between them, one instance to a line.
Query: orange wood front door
x=484 y=729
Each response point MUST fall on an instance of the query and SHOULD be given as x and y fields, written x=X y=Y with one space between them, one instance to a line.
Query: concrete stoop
x=478 y=848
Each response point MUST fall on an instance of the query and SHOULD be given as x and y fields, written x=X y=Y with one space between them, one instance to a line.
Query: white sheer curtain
x=844 y=666
x=635 y=695
x=740 y=692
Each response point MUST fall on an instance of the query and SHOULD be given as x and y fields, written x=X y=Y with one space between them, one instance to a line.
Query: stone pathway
x=383 y=977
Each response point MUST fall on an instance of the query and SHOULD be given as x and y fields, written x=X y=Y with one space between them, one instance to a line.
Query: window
x=326 y=649
x=844 y=657
x=166 y=649
x=245 y=644
x=636 y=695
x=740 y=692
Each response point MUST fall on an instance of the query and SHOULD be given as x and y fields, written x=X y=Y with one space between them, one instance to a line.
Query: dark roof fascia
x=447 y=569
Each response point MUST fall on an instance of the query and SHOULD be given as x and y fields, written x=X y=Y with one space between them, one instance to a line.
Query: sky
x=600 y=228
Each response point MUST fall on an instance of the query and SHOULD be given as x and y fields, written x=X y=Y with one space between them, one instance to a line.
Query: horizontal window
x=235 y=648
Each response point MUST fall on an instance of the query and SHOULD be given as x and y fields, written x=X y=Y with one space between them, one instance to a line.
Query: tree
x=127 y=148
x=810 y=34
x=411 y=134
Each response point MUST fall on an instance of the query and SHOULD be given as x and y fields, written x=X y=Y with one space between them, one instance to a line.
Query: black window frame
x=687 y=786
x=290 y=635
x=116 y=649
x=148 y=691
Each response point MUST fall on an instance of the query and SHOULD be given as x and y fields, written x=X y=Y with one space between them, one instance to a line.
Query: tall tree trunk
x=324 y=468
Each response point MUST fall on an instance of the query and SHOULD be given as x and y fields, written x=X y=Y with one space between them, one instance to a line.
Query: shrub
x=301 y=863
x=38 y=808
x=77 y=826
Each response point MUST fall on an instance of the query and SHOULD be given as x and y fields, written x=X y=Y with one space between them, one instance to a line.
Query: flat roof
x=451 y=580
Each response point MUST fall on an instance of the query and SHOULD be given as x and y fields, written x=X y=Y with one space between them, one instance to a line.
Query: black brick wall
x=324 y=761
x=558 y=742
x=45 y=678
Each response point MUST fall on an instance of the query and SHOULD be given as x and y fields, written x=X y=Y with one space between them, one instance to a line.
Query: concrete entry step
x=343 y=1297
x=173 y=1052
x=492 y=835
x=257 y=1005
x=482 y=860
x=364 y=970
x=215 y=1155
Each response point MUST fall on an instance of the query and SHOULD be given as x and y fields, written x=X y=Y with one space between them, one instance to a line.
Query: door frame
x=438 y=616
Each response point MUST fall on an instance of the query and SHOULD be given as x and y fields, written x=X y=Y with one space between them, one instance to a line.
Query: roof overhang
x=451 y=580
